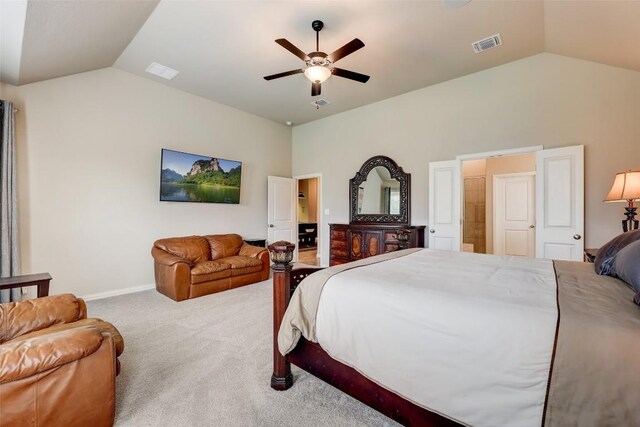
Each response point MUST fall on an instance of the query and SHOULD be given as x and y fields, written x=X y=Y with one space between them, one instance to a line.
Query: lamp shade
x=317 y=74
x=626 y=187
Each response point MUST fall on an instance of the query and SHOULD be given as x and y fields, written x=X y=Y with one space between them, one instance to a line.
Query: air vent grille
x=162 y=71
x=320 y=103
x=488 y=43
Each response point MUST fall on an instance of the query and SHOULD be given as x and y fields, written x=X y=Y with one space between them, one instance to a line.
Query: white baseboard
x=117 y=292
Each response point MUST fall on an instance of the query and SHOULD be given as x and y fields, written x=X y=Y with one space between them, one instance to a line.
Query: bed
x=443 y=338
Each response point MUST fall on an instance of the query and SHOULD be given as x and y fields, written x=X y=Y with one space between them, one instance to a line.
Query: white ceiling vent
x=320 y=103
x=488 y=43
x=162 y=71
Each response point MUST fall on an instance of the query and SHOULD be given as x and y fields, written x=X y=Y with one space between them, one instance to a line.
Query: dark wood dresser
x=350 y=242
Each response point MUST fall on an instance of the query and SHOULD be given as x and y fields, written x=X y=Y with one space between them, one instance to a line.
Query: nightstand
x=590 y=254
x=262 y=243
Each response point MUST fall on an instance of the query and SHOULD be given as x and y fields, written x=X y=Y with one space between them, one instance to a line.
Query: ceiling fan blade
x=291 y=48
x=315 y=89
x=285 y=74
x=347 y=49
x=350 y=75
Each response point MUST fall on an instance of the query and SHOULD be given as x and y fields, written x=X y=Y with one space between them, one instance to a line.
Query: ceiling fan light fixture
x=317 y=74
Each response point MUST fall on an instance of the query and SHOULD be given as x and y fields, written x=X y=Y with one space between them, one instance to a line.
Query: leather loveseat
x=57 y=368
x=189 y=267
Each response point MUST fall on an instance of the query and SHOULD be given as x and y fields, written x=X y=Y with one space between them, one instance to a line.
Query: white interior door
x=560 y=203
x=444 y=205
x=514 y=214
x=281 y=195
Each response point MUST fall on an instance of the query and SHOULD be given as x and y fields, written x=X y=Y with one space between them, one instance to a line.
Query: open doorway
x=308 y=216
x=559 y=201
x=498 y=209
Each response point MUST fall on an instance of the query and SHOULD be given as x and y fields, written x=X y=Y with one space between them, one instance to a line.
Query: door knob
x=271 y=225
x=432 y=231
x=577 y=236
x=532 y=226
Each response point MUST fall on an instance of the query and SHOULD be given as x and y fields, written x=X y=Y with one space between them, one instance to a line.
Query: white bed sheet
x=466 y=335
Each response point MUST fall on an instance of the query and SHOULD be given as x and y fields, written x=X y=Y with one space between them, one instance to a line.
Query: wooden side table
x=40 y=280
x=590 y=254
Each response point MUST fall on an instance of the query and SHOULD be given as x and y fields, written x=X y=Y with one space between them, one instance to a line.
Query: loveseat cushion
x=251 y=251
x=209 y=270
x=243 y=264
x=193 y=249
x=224 y=245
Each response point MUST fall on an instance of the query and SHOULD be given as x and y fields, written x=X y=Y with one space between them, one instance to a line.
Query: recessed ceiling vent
x=320 y=103
x=162 y=71
x=488 y=43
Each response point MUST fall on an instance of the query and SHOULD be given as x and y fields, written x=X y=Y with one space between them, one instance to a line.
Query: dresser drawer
x=391 y=236
x=339 y=235
x=339 y=244
x=337 y=252
x=337 y=261
x=390 y=247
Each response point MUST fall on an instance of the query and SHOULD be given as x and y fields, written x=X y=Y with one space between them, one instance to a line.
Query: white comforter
x=466 y=335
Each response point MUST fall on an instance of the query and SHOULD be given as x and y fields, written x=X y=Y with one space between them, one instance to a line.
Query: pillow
x=626 y=265
x=604 y=257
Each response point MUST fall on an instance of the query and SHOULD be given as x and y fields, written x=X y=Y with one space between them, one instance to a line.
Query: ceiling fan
x=319 y=64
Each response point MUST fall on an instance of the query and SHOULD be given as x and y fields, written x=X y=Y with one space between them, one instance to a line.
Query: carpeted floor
x=207 y=362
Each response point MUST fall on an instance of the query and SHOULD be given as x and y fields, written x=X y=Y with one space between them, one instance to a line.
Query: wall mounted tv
x=188 y=177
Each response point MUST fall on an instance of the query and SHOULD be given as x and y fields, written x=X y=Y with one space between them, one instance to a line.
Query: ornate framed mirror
x=380 y=192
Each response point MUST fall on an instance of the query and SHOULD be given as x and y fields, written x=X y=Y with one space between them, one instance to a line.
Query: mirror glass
x=379 y=193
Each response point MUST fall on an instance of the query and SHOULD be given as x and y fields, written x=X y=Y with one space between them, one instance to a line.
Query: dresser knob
x=432 y=231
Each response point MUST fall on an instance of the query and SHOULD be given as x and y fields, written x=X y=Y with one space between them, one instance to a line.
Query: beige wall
x=502 y=165
x=546 y=99
x=308 y=207
x=303 y=205
x=89 y=168
x=312 y=200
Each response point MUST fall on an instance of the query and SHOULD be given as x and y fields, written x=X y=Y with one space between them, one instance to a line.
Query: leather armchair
x=56 y=366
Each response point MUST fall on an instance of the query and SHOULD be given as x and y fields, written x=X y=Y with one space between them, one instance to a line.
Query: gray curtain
x=9 y=252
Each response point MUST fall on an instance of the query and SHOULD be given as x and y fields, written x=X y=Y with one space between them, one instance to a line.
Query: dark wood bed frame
x=313 y=359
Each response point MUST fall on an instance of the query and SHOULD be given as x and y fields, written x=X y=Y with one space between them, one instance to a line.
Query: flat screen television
x=186 y=177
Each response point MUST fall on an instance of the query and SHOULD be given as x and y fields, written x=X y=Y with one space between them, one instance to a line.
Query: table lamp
x=626 y=188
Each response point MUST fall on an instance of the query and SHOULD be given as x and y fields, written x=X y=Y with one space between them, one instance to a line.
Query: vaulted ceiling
x=224 y=48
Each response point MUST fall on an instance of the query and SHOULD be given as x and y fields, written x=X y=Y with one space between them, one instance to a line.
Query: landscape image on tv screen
x=192 y=178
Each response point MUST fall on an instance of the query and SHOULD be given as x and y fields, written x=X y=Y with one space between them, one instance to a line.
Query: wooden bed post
x=281 y=254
